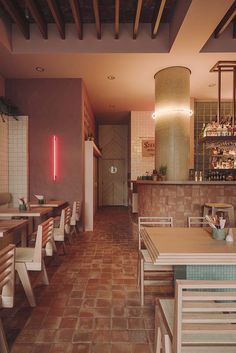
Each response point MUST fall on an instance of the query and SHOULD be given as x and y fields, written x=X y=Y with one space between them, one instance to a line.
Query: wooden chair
x=225 y=208
x=63 y=228
x=7 y=287
x=75 y=217
x=201 y=318
x=32 y=259
x=145 y=264
x=197 y=222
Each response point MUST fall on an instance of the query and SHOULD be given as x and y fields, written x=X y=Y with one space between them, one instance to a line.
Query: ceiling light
x=111 y=77
x=39 y=69
x=164 y=111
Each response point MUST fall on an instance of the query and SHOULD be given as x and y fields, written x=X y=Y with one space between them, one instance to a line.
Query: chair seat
x=218 y=205
x=24 y=254
x=198 y=336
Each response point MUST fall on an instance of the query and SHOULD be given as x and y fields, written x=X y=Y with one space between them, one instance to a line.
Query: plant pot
x=22 y=208
x=218 y=234
x=163 y=177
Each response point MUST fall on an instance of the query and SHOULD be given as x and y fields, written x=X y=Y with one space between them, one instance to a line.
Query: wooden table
x=9 y=226
x=32 y=212
x=36 y=212
x=52 y=203
x=187 y=246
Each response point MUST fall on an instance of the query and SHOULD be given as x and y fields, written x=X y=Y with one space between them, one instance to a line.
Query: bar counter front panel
x=181 y=199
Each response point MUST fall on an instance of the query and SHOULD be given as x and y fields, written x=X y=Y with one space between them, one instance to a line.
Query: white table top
x=182 y=246
x=51 y=203
x=34 y=212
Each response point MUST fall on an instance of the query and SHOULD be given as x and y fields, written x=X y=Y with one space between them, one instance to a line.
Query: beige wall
x=142 y=127
x=3 y=155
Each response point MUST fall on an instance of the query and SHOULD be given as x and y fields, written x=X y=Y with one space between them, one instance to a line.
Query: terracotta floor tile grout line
x=92 y=303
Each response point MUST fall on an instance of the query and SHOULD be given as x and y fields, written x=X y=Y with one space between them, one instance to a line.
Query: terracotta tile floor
x=92 y=302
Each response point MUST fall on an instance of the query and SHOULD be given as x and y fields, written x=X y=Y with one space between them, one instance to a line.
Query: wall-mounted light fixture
x=54 y=143
x=160 y=112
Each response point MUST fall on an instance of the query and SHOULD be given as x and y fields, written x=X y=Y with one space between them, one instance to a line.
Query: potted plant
x=154 y=175
x=163 y=171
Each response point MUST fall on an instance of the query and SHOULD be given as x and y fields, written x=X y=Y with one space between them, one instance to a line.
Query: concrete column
x=172 y=123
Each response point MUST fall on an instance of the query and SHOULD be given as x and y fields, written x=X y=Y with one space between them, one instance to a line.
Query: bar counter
x=180 y=199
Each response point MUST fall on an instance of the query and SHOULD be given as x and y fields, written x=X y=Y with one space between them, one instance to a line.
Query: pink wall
x=2 y=86
x=53 y=107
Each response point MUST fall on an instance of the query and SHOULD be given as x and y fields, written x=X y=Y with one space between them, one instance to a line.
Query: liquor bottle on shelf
x=222 y=128
x=220 y=175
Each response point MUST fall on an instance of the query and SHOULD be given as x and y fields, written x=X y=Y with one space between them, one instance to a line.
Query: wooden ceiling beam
x=137 y=18
x=157 y=18
x=117 y=19
x=229 y=16
x=76 y=15
x=38 y=18
x=57 y=17
x=17 y=17
x=97 y=18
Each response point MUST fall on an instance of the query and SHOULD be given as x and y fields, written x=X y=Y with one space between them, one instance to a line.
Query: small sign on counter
x=148 y=148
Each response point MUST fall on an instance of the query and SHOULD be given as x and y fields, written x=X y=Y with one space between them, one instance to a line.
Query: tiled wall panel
x=181 y=201
x=3 y=155
x=18 y=158
x=142 y=128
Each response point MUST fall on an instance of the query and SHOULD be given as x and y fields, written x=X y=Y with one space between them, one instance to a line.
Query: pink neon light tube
x=54 y=157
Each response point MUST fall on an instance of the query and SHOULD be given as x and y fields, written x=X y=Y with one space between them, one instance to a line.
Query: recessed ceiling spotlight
x=212 y=85
x=39 y=69
x=111 y=77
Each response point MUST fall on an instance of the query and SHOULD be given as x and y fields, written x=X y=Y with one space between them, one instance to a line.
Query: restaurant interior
x=117 y=176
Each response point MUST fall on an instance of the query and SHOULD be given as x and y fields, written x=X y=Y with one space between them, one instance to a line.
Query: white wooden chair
x=7 y=287
x=197 y=222
x=201 y=318
x=63 y=228
x=145 y=264
x=32 y=259
x=75 y=217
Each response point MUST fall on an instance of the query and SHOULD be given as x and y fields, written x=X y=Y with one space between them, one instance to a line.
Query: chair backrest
x=7 y=276
x=76 y=211
x=197 y=222
x=153 y=222
x=65 y=216
x=43 y=238
x=204 y=313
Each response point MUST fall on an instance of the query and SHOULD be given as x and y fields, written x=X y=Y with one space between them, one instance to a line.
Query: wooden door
x=113 y=182
x=113 y=185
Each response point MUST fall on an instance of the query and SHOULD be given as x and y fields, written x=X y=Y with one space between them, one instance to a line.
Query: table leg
x=23 y=235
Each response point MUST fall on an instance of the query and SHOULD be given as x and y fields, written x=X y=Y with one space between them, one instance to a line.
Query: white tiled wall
x=18 y=158
x=142 y=127
x=3 y=154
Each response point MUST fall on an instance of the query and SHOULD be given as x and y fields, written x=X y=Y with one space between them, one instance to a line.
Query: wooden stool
x=215 y=207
